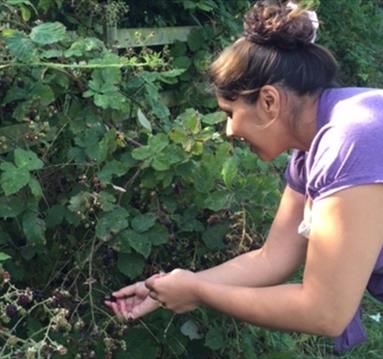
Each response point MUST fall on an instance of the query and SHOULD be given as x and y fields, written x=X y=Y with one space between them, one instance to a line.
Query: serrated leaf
x=25 y=13
x=27 y=160
x=143 y=222
x=157 y=235
x=217 y=200
x=213 y=237
x=215 y=339
x=35 y=187
x=4 y=257
x=139 y=345
x=112 y=168
x=132 y=265
x=10 y=207
x=142 y=153
x=229 y=171
x=13 y=178
x=55 y=215
x=143 y=121
x=214 y=118
x=20 y=46
x=139 y=242
x=158 y=142
x=48 y=33
x=34 y=228
x=111 y=223
x=182 y=62
x=43 y=93
x=196 y=40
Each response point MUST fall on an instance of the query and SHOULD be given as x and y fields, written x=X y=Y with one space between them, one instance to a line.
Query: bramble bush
x=103 y=183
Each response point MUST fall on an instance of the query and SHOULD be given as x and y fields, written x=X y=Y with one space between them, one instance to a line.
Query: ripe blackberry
x=11 y=310
x=23 y=300
x=110 y=298
x=37 y=295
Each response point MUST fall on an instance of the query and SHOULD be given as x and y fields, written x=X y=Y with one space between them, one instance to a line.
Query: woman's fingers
x=116 y=309
x=124 y=310
x=153 y=295
x=126 y=291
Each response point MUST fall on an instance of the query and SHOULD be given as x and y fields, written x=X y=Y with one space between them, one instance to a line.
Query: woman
x=277 y=88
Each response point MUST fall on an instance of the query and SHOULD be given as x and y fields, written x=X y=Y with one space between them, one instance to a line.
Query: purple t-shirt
x=347 y=151
x=348 y=147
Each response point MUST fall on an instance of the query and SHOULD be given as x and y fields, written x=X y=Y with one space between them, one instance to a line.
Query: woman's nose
x=229 y=129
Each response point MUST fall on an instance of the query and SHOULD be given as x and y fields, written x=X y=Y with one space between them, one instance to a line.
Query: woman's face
x=259 y=124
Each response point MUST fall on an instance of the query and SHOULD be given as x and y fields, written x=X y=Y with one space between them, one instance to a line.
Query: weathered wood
x=139 y=37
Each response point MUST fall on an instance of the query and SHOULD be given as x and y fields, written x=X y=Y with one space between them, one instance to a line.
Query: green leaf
x=182 y=62
x=218 y=200
x=196 y=40
x=43 y=93
x=20 y=46
x=214 y=235
x=158 y=142
x=34 y=228
x=11 y=207
x=111 y=223
x=55 y=215
x=139 y=345
x=112 y=168
x=48 y=33
x=35 y=187
x=25 y=13
x=143 y=121
x=107 y=201
x=214 y=118
x=139 y=242
x=4 y=257
x=132 y=265
x=82 y=46
x=27 y=160
x=13 y=178
x=215 y=339
x=230 y=171
x=143 y=222
x=142 y=153
x=157 y=235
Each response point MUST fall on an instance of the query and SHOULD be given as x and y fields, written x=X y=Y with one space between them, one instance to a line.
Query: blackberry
x=110 y=298
x=37 y=295
x=109 y=258
x=23 y=300
x=11 y=310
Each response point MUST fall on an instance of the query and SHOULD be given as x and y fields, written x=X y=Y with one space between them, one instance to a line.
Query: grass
x=311 y=347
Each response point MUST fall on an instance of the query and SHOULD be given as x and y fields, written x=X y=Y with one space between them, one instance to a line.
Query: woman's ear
x=270 y=101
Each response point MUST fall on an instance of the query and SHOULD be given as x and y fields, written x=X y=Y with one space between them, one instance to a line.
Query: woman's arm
x=346 y=239
x=283 y=252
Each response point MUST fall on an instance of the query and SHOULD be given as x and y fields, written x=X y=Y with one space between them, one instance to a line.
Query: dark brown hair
x=275 y=48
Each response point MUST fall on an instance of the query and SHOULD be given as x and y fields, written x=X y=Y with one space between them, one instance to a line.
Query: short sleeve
x=345 y=156
x=295 y=173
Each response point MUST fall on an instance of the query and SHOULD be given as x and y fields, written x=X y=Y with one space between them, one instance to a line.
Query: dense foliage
x=104 y=181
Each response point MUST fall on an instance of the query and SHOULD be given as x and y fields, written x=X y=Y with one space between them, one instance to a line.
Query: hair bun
x=280 y=25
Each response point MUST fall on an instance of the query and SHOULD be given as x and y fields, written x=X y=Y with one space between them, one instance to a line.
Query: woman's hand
x=177 y=290
x=133 y=301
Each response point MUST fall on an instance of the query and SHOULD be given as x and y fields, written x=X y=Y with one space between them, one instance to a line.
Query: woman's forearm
x=255 y=269
x=249 y=269
x=282 y=307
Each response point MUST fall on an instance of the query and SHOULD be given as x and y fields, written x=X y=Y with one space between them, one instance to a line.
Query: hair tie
x=312 y=16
